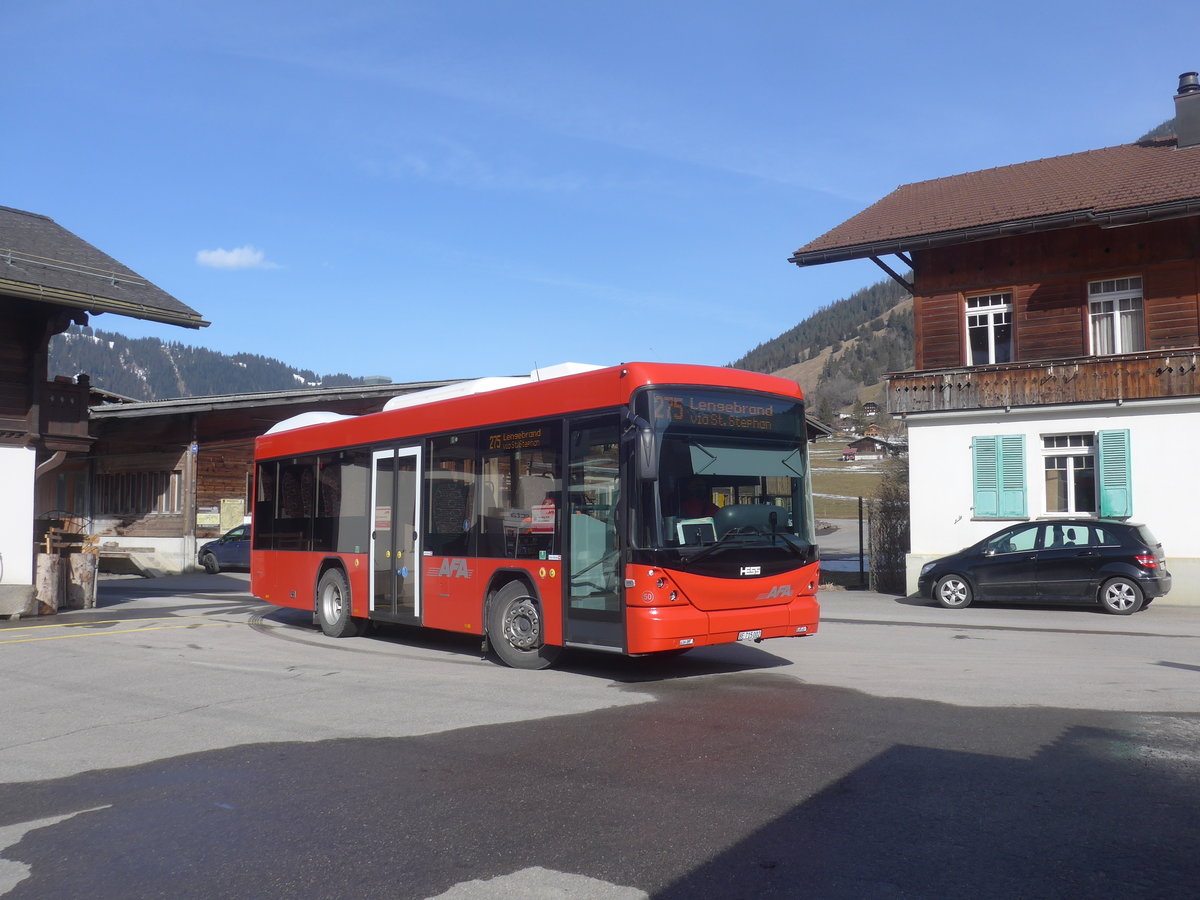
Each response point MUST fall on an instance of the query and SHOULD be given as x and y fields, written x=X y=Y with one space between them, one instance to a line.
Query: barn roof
x=42 y=261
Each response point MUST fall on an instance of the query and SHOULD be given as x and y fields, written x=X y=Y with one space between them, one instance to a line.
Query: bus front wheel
x=333 y=605
x=516 y=631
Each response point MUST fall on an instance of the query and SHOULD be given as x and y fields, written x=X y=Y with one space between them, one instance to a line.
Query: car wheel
x=953 y=592
x=333 y=606
x=210 y=564
x=515 y=629
x=1121 y=596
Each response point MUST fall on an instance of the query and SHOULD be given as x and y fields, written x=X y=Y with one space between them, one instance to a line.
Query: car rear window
x=1145 y=535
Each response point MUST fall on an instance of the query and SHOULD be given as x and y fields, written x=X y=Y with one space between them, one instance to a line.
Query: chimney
x=1187 y=110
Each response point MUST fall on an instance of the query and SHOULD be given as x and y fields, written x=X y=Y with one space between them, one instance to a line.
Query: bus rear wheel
x=333 y=605
x=516 y=632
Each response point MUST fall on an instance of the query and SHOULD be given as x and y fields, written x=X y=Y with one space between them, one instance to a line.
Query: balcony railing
x=1091 y=379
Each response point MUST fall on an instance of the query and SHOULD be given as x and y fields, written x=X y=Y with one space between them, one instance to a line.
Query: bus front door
x=395 y=551
x=595 y=615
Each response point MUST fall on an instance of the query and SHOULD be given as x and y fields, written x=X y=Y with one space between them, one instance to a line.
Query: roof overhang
x=96 y=304
x=908 y=243
x=226 y=402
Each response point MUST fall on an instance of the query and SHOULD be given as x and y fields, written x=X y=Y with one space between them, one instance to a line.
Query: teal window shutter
x=1116 y=480
x=1012 y=475
x=999 y=472
x=987 y=476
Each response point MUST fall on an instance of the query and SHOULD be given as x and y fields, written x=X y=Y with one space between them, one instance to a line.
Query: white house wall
x=17 y=468
x=1163 y=436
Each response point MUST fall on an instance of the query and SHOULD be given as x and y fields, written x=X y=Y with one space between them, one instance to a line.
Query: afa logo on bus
x=452 y=567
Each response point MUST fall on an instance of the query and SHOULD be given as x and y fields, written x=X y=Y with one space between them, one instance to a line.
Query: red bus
x=635 y=509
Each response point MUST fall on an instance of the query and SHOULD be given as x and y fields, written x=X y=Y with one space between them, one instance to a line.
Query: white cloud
x=246 y=257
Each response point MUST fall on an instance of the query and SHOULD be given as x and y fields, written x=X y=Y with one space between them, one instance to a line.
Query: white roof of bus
x=483 y=385
x=315 y=417
x=461 y=389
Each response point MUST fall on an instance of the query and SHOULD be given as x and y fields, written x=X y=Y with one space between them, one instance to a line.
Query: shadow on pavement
x=748 y=786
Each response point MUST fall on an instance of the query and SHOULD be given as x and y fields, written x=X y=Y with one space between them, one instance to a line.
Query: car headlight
x=927 y=568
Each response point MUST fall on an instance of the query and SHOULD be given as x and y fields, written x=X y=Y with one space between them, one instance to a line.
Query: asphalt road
x=185 y=740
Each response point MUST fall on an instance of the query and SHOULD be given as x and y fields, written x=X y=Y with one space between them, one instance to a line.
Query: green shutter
x=999 y=473
x=1012 y=475
x=987 y=477
x=1116 y=479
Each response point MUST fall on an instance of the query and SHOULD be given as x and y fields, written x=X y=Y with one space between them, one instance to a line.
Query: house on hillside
x=873 y=447
x=49 y=279
x=1057 y=317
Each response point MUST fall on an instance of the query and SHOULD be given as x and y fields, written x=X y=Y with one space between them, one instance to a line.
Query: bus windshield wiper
x=721 y=541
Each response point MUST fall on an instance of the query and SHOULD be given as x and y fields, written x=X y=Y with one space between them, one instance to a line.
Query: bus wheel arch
x=515 y=624
x=331 y=602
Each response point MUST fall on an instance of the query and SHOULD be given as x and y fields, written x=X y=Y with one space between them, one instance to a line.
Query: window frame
x=1116 y=296
x=1070 y=452
x=1003 y=306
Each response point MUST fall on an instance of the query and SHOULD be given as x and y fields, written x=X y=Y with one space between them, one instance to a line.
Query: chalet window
x=1070 y=464
x=1118 y=324
x=989 y=329
x=1086 y=473
x=138 y=493
x=999 y=475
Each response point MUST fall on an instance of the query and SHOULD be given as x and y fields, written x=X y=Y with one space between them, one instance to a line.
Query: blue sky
x=456 y=188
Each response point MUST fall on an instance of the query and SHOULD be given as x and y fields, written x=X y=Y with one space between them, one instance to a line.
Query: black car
x=230 y=551
x=1119 y=565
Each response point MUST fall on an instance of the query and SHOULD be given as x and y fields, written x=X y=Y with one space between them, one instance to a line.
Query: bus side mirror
x=647 y=452
x=645 y=447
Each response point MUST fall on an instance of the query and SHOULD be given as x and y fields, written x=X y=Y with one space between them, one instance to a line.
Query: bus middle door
x=395 y=548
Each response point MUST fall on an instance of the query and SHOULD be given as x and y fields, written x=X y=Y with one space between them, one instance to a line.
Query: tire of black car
x=953 y=592
x=1121 y=596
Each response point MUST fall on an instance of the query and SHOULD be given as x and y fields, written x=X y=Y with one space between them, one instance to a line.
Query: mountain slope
x=844 y=346
x=149 y=369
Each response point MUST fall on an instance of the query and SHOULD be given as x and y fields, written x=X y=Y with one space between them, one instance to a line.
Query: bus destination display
x=723 y=412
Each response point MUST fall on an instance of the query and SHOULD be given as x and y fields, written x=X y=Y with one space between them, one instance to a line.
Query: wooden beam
x=906 y=285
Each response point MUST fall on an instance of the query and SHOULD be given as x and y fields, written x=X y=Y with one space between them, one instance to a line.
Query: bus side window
x=521 y=482
x=297 y=497
x=264 y=505
x=450 y=495
x=343 y=487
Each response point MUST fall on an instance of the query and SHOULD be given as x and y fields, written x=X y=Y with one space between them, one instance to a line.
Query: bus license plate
x=750 y=635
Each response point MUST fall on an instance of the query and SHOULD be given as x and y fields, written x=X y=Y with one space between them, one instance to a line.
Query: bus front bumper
x=654 y=629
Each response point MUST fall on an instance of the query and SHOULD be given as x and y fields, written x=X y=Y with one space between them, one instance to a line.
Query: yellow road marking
x=63 y=637
x=82 y=624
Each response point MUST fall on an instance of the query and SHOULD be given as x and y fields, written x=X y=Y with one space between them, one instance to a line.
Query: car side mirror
x=989 y=552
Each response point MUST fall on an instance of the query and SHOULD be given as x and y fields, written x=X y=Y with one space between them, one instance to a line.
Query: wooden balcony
x=1090 y=379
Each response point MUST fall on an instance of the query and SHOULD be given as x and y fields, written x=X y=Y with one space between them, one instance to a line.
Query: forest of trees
x=150 y=369
x=835 y=324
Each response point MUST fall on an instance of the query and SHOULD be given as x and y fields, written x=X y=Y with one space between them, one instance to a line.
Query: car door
x=1007 y=566
x=233 y=549
x=1068 y=562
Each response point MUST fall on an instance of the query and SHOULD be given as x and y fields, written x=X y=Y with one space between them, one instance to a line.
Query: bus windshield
x=732 y=473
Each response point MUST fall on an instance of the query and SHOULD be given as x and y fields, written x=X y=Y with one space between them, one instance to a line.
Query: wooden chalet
x=165 y=476
x=49 y=279
x=1057 y=316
